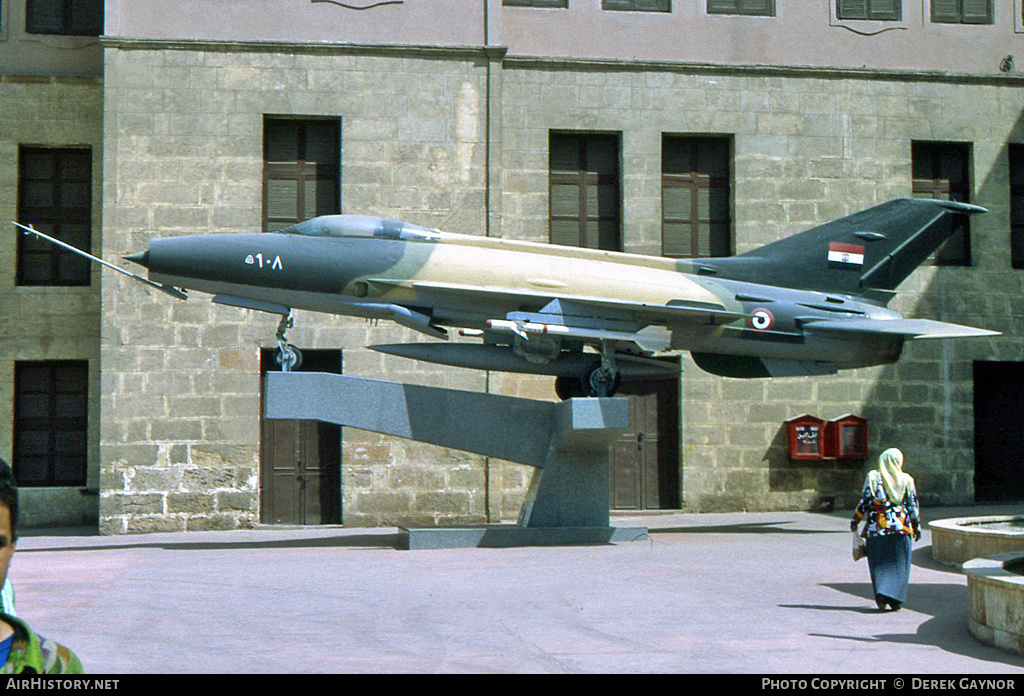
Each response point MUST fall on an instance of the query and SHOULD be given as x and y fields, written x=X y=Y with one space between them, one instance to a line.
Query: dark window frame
x=872 y=10
x=555 y=4
x=584 y=177
x=749 y=8
x=1016 y=163
x=76 y=17
x=326 y=175
x=51 y=434
x=962 y=12
x=39 y=262
x=695 y=180
x=932 y=162
x=664 y=6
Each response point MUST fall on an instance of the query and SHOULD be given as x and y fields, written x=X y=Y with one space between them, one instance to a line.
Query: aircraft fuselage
x=448 y=280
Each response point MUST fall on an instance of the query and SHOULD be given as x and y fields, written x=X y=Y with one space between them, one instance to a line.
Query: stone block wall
x=183 y=154
x=49 y=323
x=184 y=139
x=809 y=146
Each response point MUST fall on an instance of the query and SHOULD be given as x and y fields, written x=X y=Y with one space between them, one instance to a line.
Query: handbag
x=860 y=547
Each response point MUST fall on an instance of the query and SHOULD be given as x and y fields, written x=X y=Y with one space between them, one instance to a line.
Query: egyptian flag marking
x=845 y=256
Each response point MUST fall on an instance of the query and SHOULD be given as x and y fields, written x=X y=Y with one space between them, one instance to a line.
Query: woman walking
x=889 y=503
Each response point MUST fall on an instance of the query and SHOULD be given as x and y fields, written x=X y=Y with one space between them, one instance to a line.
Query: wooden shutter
x=723 y=6
x=885 y=10
x=51 y=403
x=44 y=17
x=977 y=11
x=55 y=195
x=945 y=10
x=870 y=9
x=637 y=5
x=301 y=173
x=758 y=7
x=852 y=9
x=584 y=191
x=942 y=171
x=695 y=197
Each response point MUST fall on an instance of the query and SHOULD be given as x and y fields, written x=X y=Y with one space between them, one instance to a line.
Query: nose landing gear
x=288 y=356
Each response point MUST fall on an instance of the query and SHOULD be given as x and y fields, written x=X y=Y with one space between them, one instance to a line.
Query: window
x=68 y=17
x=637 y=5
x=869 y=9
x=301 y=171
x=742 y=7
x=51 y=423
x=962 y=11
x=695 y=197
x=584 y=178
x=942 y=171
x=536 y=3
x=55 y=197
x=1017 y=205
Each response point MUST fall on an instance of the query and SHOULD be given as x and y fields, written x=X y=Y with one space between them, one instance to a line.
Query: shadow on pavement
x=366 y=541
x=946 y=629
x=743 y=528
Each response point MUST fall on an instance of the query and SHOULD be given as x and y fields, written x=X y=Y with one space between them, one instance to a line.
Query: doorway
x=998 y=431
x=300 y=461
x=645 y=460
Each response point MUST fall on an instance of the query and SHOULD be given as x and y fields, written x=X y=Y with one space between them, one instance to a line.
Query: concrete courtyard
x=771 y=593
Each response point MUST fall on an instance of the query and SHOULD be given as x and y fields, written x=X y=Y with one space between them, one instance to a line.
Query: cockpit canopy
x=362 y=226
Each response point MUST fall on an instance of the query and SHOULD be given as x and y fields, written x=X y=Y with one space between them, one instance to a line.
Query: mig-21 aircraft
x=810 y=304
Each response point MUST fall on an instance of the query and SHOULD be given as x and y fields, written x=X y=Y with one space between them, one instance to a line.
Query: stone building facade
x=446 y=115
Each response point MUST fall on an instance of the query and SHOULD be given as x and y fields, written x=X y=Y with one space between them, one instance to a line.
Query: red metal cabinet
x=848 y=437
x=813 y=439
x=806 y=438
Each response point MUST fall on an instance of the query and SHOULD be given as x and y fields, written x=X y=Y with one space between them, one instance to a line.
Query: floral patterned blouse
x=883 y=516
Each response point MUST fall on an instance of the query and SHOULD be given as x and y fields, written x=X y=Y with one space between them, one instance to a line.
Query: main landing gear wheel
x=597 y=382
x=602 y=381
x=288 y=356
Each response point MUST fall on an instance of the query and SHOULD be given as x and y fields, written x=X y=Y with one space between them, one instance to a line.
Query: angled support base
x=567 y=443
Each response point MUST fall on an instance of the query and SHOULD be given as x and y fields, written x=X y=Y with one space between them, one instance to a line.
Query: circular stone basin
x=995 y=600
x=958 y=540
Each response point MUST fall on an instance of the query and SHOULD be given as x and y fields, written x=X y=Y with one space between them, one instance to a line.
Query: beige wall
x=804 y=33
x=420 y=22
x=801 y=34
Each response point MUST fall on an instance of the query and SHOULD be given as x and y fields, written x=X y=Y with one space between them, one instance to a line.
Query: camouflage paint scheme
x=809 y=304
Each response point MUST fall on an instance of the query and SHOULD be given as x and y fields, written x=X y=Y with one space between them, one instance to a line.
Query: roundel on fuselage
x=761 y=319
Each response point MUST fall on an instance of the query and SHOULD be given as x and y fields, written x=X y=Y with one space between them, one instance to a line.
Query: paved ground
x=736 y=593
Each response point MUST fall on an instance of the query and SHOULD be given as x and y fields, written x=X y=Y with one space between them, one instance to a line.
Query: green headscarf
x=890 y=466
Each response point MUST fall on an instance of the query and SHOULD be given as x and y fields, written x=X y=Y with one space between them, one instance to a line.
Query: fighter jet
x=810 y=304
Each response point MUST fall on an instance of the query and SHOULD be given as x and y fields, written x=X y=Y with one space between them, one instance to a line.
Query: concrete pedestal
x=567 y=443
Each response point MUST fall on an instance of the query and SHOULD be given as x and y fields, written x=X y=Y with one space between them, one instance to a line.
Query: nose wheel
x=288 y=356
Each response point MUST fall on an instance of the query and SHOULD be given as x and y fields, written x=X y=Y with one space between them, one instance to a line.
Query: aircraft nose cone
x=141 y=258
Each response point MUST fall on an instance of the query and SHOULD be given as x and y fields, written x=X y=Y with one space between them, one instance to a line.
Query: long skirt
x=889 y=563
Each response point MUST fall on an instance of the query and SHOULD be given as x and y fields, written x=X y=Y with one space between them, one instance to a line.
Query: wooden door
x=645 y=459
x=300 y=461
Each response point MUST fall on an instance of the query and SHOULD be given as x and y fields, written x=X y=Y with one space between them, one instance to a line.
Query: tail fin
x=861 y=254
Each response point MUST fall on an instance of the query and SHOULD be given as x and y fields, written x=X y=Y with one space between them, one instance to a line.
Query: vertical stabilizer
x=861 y=254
